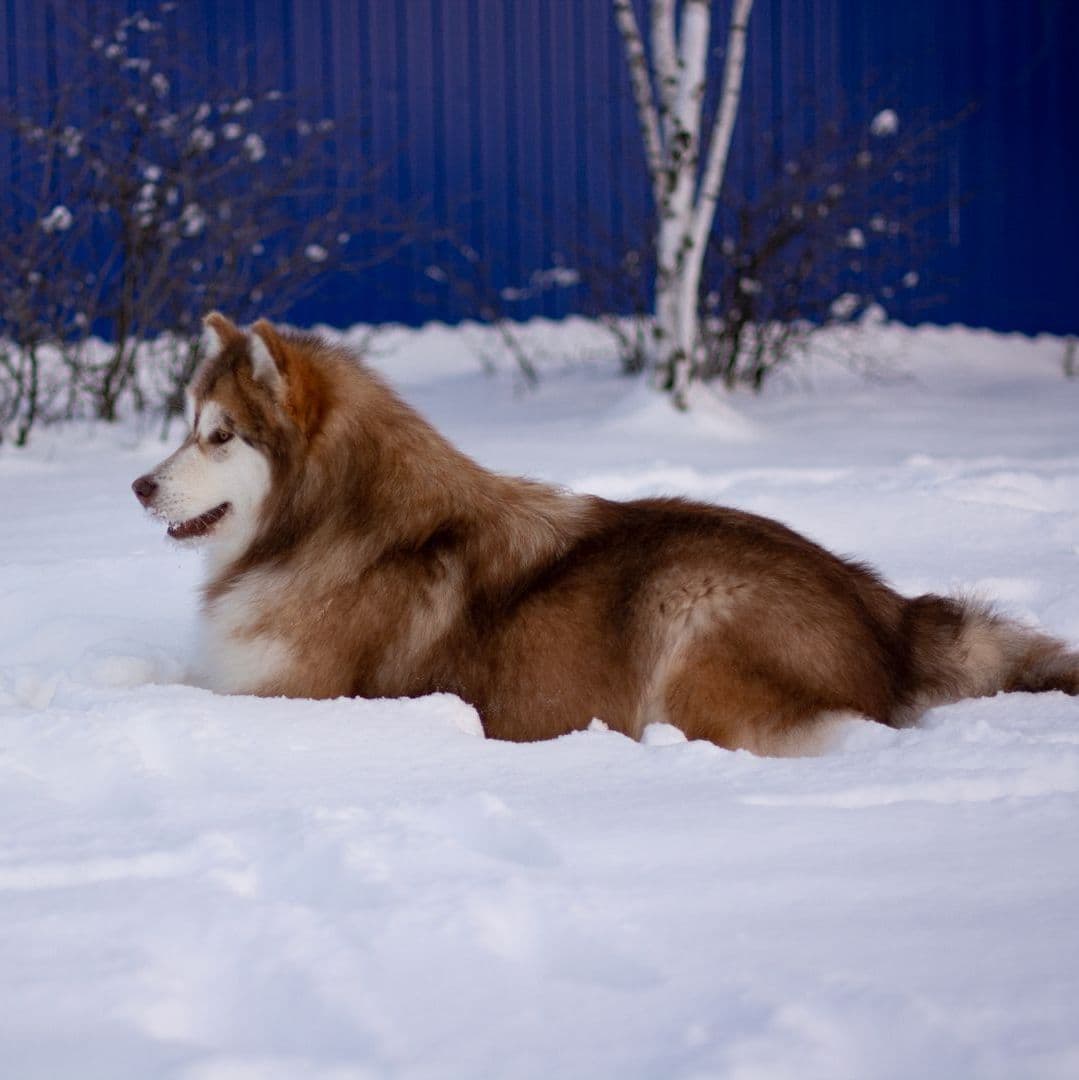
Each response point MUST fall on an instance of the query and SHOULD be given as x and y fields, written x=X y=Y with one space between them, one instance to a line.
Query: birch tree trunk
x=669 y=92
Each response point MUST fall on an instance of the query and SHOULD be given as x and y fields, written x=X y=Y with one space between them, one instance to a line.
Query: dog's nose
x=144 y=489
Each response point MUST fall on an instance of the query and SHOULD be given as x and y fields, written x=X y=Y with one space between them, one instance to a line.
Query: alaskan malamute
x=354 y=551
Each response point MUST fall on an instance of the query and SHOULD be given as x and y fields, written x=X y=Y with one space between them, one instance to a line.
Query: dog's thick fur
x=356 y=552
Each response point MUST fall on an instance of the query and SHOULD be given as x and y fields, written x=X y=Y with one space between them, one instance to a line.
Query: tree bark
x=671 y=133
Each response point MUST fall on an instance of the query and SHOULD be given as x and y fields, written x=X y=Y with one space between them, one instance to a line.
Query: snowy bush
x=837 y=233
x=143 y=197
x=737 y=280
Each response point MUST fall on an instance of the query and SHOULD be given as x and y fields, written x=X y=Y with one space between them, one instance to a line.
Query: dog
x=354 y=552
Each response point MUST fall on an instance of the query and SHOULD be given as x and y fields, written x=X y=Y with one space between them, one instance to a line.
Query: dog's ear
x=221 y=332
x=285 y=368
x=269 y=356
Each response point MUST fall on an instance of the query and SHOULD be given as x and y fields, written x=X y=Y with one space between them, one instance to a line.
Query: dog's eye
x=220 y=437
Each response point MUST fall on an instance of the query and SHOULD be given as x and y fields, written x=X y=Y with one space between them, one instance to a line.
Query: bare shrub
x=144 y=195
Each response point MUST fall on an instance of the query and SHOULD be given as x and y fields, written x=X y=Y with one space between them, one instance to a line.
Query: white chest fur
x=237 y=655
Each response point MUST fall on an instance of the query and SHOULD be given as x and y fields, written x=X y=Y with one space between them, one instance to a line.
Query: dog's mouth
x=198 y=526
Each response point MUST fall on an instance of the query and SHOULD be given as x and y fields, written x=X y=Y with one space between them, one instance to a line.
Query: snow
x=202 y=138
x=555 y=277
x=58 y=219
x=192 y=219
x=855 y=238
x=886 y=122
x=845 y=305
x=205 y=888
x=254 y=147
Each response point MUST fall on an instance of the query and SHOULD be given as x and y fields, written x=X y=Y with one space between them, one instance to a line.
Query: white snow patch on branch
x=58 y=219
x=254 y=147
x=886 y=122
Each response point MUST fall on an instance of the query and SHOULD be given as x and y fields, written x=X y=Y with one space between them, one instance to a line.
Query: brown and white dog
x=354 y=551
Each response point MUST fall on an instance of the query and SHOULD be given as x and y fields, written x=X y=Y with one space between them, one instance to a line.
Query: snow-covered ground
x=206 y=888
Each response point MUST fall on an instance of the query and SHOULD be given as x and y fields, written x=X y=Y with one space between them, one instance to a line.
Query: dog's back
x=726 y=625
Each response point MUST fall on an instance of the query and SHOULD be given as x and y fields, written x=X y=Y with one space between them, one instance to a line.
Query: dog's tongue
x=184 y=530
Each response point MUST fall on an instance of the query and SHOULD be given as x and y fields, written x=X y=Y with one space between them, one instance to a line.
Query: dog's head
x=255 y=399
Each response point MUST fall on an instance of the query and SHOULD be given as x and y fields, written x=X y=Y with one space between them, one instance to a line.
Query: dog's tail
x=961 y=649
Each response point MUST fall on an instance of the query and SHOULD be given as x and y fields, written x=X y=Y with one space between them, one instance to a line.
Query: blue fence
x=509 y=123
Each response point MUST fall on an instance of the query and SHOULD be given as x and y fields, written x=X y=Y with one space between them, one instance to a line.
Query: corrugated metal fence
x=510 y=122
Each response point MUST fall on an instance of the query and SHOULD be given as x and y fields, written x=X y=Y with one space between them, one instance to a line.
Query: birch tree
x=669 y=82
